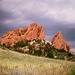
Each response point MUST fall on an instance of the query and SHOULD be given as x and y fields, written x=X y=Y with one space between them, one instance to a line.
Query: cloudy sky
x=54 y=15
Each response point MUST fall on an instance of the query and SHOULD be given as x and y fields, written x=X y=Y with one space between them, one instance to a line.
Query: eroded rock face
x=58 y=42
x=30 y=33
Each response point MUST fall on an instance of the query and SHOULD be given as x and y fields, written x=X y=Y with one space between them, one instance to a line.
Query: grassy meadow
x=14 y=63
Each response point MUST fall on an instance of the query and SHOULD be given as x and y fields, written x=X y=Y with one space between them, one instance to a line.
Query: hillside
x=14 y=63
x=40 y=48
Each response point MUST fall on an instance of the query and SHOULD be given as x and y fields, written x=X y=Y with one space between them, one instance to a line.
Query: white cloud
x=66 y=14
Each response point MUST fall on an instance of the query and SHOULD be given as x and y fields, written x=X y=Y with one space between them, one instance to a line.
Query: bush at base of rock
x=39 y=41
x=61 y=50
x=50 y=54
x=21 y=44
x=38 y=52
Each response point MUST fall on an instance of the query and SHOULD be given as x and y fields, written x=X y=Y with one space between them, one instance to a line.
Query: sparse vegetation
x=39 y=41
x=21 y=30
x=20 y=44
x=8 y=38
x=50 y=54
x=19 y=34
x=41 y=50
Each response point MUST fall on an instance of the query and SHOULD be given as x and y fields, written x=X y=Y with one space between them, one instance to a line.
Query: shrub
x=21 y=30
x=19 y=50
x=8 y=38
x=4 y=44
x=50 y=54
x=37 y=52
x=22 y=33
x=30 y=51
x=43 y=40
x=30 y=46
x=69 y=54
x=53 y=48
x=27 y=41
x=20 y=44
x=39 y=41
x=33 y=39
x=47 y=48
x=43 y=44
x=56 y=53
x=48 y=44
x=61 y=50
x=9 y=47
x=19 y=34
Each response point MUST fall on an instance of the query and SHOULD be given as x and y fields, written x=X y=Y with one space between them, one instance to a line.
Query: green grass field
x=14 y=63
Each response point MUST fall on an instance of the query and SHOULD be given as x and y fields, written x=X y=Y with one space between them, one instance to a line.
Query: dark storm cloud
x=4 y=16
x=69 y=34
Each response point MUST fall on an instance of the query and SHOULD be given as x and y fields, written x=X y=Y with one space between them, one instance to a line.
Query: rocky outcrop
x=58 y=42
x=30 y=33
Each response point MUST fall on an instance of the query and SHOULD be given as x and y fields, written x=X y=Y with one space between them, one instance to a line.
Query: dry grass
x=14 y=63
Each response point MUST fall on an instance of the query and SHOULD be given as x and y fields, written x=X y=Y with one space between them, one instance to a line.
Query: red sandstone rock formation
x=58 y=42
x=30 y=33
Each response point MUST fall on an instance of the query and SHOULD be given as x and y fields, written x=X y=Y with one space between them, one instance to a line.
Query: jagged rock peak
x=59 y=32
x=34 y=25
x=29 y=33
x=58 y=42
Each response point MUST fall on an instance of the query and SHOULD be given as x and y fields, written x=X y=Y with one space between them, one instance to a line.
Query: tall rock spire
x=58 y=42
